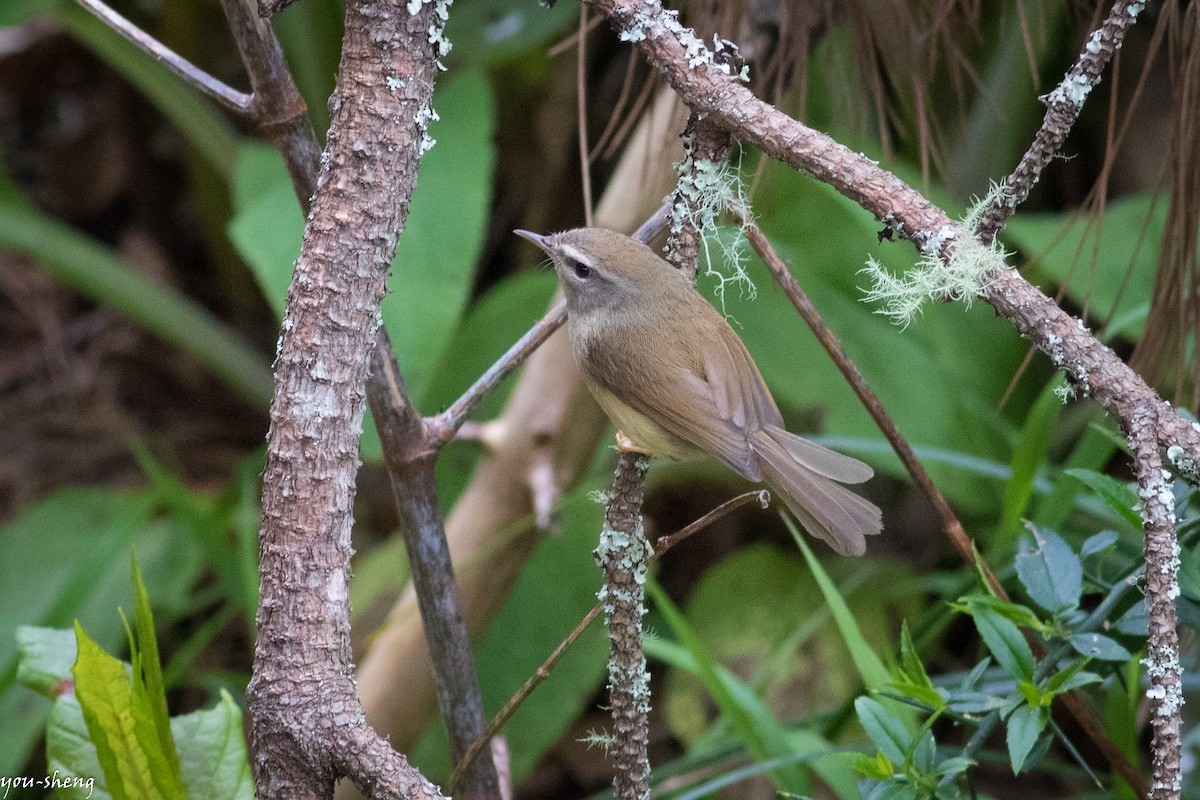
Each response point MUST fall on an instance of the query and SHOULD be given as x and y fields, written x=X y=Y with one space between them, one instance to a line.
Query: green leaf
x=435 y=261
x=18 y=12
x=910 y=660
x=1096 y=645
x=1117 y=495
x=45 y=656
x=1135 y=621
x=1024 y=727
x=105 y=693
x=1050 y=570
x=1098 y=258
x=148 y=684
x=1004 y=640
x=71 y=754
x=1098 y=543
x=48 y=579
x=870 y=668
x=486 y=31
x=879 y=767
x=1028 y=456
x=212 y=752
x=886 y=732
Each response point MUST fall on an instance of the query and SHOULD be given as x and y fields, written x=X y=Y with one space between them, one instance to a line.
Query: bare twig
x=585 y=163
x=535 y=680
x=221 y=92
x=443 y=426
x=837 y=354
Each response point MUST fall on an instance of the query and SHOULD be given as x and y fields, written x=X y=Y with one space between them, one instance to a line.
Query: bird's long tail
x=808 y=479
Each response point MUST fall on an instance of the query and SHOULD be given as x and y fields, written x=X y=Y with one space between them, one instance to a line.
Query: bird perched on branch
x=677 y=381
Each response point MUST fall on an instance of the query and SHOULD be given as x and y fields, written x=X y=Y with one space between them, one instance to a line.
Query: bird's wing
x=723 y=390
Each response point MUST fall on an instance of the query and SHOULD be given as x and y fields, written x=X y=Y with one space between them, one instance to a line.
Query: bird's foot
x=626 y=445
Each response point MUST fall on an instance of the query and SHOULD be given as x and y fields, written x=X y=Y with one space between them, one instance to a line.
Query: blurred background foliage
x=147 y=243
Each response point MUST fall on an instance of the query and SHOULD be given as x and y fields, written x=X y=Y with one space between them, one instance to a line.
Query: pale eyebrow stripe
x=572 y=253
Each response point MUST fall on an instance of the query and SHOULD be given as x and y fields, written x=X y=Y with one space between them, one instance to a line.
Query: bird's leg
x=626 y=445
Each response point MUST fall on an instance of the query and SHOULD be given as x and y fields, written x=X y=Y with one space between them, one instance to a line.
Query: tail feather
x=801 y=475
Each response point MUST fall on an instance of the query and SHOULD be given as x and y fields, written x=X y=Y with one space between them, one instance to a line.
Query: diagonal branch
x=223 y=93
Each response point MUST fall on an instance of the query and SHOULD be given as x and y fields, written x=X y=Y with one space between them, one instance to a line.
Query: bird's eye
x=582 y=271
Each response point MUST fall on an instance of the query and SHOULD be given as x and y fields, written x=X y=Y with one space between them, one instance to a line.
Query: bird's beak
x=541 y=241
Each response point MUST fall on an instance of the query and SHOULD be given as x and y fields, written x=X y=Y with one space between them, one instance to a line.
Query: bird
x=677 y=381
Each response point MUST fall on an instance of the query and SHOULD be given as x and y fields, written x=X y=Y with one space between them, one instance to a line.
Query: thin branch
x=442 y=427
x=1062 y=108
x=1162 y=587
x=221 y=92
x=833 y=347
x=539 y=676
x=585 y=163
x=624 y=555
x=411 y=463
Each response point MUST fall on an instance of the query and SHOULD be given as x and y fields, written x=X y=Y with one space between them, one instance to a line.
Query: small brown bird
x=678 y=382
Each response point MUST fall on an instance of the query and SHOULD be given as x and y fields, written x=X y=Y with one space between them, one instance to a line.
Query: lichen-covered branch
x=1162 y=590
x=624 y=554
x=1062 y=107
x=308 y=726
x=1092 y=368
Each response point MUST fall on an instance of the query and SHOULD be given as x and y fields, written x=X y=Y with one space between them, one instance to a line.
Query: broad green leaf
x=910 y=659
x=1050 y=570
x=212 y=752
x=886 y=732
x=17 y=12
x=1116 y=495
x=435 y=261
x=1024 y=727
x=1097 y=645
x=437 y=251
x=71 y=754
x=45 y=656
x=1004 y=640
x=1100 y=260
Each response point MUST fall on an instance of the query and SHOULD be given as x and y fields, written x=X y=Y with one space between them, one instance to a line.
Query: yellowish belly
x=643 y=433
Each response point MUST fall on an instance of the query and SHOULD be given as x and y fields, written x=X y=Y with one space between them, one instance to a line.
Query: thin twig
x=870 y=401
x=221 y=92
x=1063 y=106
x=539 y=676
x=585 y=163
x=443 y=426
